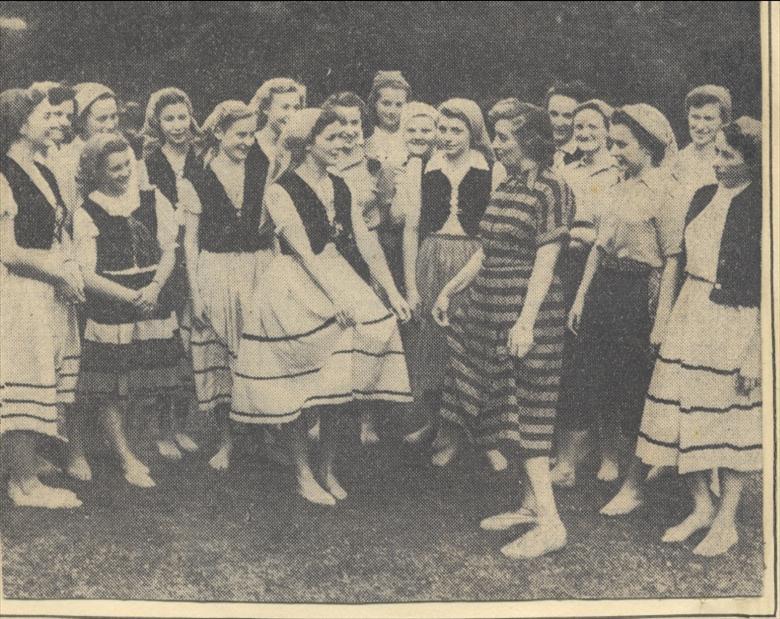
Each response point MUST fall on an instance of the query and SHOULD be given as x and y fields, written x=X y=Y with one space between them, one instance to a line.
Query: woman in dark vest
x=126 y=241
x=171 y=165
x=228 y=243
x=40 y=284
x=455 y=191
x=315 y=334
x=704 y=410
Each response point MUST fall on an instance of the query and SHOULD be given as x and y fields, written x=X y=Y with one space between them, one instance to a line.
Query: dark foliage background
x=629 y=51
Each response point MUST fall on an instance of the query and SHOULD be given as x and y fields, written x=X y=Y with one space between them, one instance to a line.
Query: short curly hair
x=93 y=159
x=530 y=126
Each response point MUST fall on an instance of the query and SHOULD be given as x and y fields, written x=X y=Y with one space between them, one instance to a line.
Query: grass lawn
x=407 y=532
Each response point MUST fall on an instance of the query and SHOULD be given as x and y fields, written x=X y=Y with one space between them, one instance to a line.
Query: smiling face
x=560 y=109
x=388 y=108
x=40 y=125
x=237 y=139
x=454 y=136
x=282 y=106
x=101 y=117
x=63 y=117
x=351 y=125
x=703 y=123
x=176 y=123
x=590 y=131
x=627 y=151
x=420 y=135
x=328 y=145
x=117 y=170
x=730 y=167
x=506 y=146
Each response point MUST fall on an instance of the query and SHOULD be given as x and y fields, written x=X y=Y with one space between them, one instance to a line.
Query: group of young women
x=556 y=280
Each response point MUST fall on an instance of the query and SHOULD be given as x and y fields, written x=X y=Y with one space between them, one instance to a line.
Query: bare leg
x=166 y=444
x=571 y=455
x=221 y=460
x=447 y=442
x=610 y=453
x=181 y=410
x=328 y=446
x=136 y=472
x=308 y=488
x=629 y=497
x=76 y=464
x=549 y=534
x=723 y=532
x=702 y=514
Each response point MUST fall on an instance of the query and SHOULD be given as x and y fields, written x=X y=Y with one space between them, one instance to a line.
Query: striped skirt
x=294 y=355
x=39 y=356
x=495 y=398
x=694 y=418
x=226 y=281
x=441 y=257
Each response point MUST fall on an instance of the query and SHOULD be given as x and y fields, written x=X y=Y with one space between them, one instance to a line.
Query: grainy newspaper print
x=388 y=309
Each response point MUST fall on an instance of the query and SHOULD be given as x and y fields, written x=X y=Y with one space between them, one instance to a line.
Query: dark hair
x=700 y=99
x=747 y=145
x=297 y=144
x=647 y=140
x=16 y=105
x=60 y=94
x=577 y=90
x=348 y=99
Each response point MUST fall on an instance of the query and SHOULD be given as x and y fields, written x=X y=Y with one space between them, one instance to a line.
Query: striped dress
x=494 y=397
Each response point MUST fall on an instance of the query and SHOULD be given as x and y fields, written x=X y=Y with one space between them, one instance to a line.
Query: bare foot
x=563 y=475
x=310 y=490
x=137 y=473
x=497 y=460
x=444 y=456
x=368 y=435
x=507 y=520
x=221 y=460
x=624 y=502
x=418 y=436
x=700 y=518
x=186 y=443
x=333 y=486
x=540 y=540
x=168 y=450
x=36 y=494
x=78 y=468
x=718 y=541
x=609 y=470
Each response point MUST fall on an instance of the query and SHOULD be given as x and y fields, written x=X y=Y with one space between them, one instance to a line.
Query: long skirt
x=441 y=257
x=694 y=418
x=294 y=355
x=39 y=355
x=496 y=399
x=226 y=281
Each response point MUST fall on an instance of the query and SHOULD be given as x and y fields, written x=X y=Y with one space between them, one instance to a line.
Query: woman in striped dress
x=171 y=165
x=506 y=341
x=315 y=334
x=39 y=285
x=703 y=409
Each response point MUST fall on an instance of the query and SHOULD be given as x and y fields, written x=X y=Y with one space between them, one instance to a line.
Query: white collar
x=475 y=160
x=569 y=148
x=29 y=167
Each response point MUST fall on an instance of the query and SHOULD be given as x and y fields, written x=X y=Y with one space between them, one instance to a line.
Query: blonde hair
x=224 y=116
x=261 y=101
x=93 y=160
x=152 y=133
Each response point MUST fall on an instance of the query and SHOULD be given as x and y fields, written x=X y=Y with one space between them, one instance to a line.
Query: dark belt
x=625 y=265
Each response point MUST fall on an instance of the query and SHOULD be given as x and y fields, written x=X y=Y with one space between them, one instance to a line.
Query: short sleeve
x=167 y=226
x=554 y=215
x=281 y=208
x=8 y=206
x=84 y=234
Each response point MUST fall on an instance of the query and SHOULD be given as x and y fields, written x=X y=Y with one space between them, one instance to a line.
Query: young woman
x=126 y=240
x=506 y=340
x=316 y=335
x=171 y=165
x=390 y=92
x=641 y=232
x=440 y=238
x=228 y=243
x=41 y=284
x=703 y=409
x=590 y=178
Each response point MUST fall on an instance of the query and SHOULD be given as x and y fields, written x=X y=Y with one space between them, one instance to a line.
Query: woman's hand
x=521 y=340
x=70 y=283
x=199 y=318
x=147 y=299
x=575 y=315
x=414 y=302
x=400 y=307
x=441 y=310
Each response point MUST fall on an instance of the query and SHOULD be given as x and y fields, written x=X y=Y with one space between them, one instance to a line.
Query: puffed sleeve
x=554 y=213
x=8 y=207
x=167 y=226
x=84 y=244
x=669 y=219
x=281 y=209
